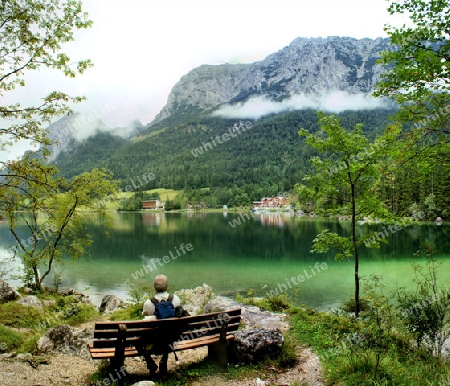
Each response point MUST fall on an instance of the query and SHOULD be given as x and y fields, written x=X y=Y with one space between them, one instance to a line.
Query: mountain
x=273 y=98
x=73 y=129
x=308 y=67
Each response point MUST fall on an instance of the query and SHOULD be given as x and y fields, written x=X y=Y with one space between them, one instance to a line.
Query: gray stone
x=24 y=356
x=56 y=339
x=110 y=303
x=7 y=355
x=27 y=290
x=49 y=302
x=7 y=293
x=254 y=317
x=253 y=345
x=220 y=303
x=80 y=339
x=64 y=339
x=144 y=383
x=31 y=301
x=86 y=299
x=66 y=292
x=194 y=300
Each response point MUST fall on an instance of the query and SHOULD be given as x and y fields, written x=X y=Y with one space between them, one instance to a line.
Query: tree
x=31 y=35
x=349 y=169
x=42 y=212
x=418 y=74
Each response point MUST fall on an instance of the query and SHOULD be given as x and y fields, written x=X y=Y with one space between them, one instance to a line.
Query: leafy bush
x=132 y=312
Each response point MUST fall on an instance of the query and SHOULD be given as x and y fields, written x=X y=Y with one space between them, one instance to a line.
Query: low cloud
x=334 y=102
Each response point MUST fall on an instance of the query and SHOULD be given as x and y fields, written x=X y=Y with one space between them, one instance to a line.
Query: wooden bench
x=120 y=339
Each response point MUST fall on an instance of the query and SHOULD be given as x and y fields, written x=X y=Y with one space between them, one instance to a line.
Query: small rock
x=7 y=355
x=110 y=303
x=31 y=301
x=27 y=290
x=49 y=302
x=24 y=356
x=7 y=293
x=144 y=383
x=8 y=374
x=66 y=292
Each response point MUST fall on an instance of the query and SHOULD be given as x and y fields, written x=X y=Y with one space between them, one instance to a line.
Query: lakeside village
x=275 y=204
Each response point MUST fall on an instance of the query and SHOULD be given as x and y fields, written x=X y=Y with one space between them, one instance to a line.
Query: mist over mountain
x=275 y=97
x=333 y=74
x=73 y=129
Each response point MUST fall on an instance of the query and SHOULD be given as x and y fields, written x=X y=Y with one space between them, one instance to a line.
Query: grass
x=22 y=326
x=345 y=365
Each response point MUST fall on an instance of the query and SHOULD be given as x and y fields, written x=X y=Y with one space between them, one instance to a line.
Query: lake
x=236 y=253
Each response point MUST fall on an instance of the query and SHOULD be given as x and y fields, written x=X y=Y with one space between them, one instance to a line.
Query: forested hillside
x=269 y=153
x=262 y=158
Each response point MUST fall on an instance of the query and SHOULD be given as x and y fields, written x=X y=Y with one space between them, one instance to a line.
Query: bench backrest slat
x=159 y=331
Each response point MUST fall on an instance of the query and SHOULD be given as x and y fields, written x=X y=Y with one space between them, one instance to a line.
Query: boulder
x=194 y=300
x=253 y=345
x=31 y=301
x=64 y=339
x=66 y=292
x=254 y=318
x=110 y=303
x=220 y=303
x=7 y=293
x=56 y=339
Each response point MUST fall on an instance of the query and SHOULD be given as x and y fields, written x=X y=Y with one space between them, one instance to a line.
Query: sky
x=141 y=48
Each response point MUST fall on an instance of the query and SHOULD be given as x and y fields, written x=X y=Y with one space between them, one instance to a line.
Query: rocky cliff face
x=305 y=67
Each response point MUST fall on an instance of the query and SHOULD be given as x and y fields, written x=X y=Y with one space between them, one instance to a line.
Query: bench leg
x=116 y=363
x=217 y=352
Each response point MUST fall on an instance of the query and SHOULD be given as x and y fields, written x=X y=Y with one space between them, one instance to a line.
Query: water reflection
x=261 y=252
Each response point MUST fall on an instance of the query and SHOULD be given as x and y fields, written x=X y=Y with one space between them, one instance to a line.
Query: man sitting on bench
x=150 y=311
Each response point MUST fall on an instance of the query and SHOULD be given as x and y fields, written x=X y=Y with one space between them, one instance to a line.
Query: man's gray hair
x=161 y=283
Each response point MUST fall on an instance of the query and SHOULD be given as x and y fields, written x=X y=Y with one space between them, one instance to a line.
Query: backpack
x=164 y=309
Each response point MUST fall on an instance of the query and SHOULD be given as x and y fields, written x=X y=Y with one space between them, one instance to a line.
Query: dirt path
x=66 y=370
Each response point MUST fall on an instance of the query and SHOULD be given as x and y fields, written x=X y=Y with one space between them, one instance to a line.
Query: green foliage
x=16 y=315
x=426 y=311
x=417 y=78
x=31 y=36
x=348 y=173
x=79 y=314
x=10 y=340
x=132 y=312
x=266 y=159
x=139 y=292
x=349 y=360
x=132 y=203
x=47 y=205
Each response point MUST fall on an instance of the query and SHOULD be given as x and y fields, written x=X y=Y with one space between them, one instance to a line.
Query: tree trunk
x=37 y=278
x=355 y=252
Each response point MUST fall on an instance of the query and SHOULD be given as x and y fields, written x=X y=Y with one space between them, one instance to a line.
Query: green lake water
x=263 y=253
